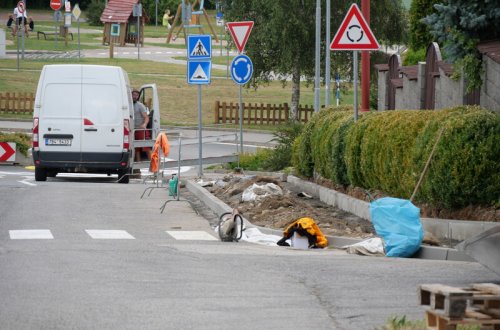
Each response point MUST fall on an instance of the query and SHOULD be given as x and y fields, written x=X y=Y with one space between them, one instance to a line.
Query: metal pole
x=78 y=23
x=227 y=59
x=179 y=169
x=365 y=63
x=327 y=57
x=138 y=37
x=200 y=152
x=355 y=55
x=317 y=69
x=56 y=20
x=17 y=36
x=22 y=34
x=241 y=121
x=156 y=13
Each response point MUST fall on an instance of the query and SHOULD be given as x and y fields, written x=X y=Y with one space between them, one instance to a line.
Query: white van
x=82 y=121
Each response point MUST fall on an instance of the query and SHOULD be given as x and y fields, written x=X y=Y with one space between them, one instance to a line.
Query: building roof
x=490 y=49
x=446 y=67
x=410 y=71
x=382 y=67
x=397 y=82
x=118 y=11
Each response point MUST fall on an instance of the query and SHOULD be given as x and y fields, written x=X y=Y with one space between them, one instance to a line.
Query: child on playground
x=166 y=19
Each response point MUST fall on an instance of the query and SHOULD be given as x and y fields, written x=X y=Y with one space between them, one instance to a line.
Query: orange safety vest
x=161 y=141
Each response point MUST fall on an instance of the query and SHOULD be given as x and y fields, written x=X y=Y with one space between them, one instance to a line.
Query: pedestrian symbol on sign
x=199 y=49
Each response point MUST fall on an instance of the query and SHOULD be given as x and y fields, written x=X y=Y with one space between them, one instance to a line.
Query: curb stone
x=219 y=207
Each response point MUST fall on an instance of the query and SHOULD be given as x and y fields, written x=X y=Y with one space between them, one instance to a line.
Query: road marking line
x=27 y=183
x=191 y=235
x=31 y=234
x=109 y=234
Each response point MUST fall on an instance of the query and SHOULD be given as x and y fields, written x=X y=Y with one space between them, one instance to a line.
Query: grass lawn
x=178 y=100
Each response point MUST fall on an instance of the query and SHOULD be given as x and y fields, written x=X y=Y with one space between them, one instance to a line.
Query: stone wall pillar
x=3 y=43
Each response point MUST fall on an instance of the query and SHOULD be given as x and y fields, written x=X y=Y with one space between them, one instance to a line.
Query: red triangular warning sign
x=354 y=33
x=240 y=32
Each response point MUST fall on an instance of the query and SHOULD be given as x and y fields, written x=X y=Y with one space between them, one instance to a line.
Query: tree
x=420 y=37
x=282 y=43
x=459 y=25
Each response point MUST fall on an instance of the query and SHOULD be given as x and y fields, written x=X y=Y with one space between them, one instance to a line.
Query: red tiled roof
x=410 y=71
x=397 y=82
x=382 y=67
x=490 y=49
x=117 y=11
x=446 y=67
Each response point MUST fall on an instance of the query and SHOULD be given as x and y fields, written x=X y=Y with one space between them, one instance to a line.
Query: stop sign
x=56 y=4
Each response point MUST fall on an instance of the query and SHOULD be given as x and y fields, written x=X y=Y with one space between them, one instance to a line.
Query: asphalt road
x=103 y=258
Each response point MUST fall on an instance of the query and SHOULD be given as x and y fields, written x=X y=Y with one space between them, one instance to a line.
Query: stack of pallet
x=449 y=306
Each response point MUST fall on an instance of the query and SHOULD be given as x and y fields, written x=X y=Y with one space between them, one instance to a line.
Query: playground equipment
x=190 y=19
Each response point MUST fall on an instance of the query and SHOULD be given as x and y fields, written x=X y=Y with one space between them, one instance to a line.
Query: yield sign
x=7 y=151
x=240 y=32
x=354 y=33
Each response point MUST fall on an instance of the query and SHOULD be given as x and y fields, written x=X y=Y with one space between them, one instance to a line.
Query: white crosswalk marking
x=31 y=234
x=109 y=234
x=191 y=235
x=195 y=235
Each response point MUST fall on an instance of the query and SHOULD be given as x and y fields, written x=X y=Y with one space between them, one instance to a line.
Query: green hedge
x=388 y=151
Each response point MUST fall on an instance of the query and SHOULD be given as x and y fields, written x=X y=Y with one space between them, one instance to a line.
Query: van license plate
x=57 y=142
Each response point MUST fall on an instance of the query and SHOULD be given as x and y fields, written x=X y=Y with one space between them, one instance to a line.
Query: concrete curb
x=219 y=207
x=444 y=229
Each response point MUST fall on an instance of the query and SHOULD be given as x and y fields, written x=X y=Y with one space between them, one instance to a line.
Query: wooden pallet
x=449 y=306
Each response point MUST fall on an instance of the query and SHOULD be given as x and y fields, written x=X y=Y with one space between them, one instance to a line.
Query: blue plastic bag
x=397 y=221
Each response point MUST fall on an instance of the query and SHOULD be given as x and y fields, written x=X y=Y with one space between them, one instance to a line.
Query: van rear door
x=149 y=97
x=60 y=117
x=102 y=119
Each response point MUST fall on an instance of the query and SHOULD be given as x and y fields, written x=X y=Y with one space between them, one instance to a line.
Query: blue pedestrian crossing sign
x=199 y=47
x=199 y=72
x=241 y=69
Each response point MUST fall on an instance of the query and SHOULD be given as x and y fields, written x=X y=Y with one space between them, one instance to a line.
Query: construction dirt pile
x=268 y=202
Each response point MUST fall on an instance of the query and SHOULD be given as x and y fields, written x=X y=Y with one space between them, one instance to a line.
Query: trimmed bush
x=388 y=151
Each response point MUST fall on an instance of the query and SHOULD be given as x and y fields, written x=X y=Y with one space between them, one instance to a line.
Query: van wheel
x=124 y=176
x=40 y=174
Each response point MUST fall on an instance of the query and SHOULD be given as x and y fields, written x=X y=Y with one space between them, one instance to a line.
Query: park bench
x=62 y=33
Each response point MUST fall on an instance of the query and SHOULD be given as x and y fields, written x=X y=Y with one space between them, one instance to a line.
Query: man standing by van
x=141 y=120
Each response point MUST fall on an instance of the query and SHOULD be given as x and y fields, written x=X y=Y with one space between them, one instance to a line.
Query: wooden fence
x=17 y=103
x=259 y=114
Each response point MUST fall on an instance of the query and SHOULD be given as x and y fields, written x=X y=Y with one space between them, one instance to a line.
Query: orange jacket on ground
x=311 y=230
x=161 y=142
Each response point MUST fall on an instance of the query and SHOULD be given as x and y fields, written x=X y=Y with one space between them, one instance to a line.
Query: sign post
x=76 y=14
x=137 y=12
x=56 y=5
x=21 y=8
x=199 y=54
x=354 y=34
x=67 y=20
x=242 y=66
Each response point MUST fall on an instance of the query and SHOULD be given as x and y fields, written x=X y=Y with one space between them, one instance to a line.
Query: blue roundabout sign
x=241 y=69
